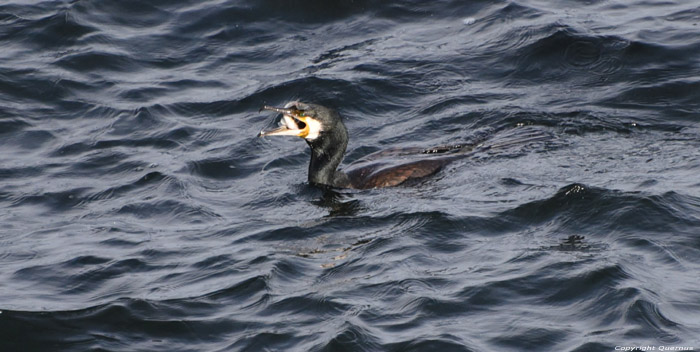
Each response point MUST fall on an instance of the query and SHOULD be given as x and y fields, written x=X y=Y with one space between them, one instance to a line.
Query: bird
x=324 y=131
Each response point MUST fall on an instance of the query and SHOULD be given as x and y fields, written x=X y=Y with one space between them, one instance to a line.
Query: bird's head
x=308 y=121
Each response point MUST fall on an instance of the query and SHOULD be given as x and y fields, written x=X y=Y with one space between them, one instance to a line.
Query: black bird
x=326 y=135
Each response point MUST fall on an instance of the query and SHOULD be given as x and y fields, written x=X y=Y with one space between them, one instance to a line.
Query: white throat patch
x=314 y=129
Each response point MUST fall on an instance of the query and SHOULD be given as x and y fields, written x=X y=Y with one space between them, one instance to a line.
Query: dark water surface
x=140 y=212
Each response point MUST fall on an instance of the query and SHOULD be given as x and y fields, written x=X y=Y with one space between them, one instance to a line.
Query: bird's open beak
x=292 y=123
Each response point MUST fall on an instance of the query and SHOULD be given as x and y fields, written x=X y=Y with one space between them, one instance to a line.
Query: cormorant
x=326 y=135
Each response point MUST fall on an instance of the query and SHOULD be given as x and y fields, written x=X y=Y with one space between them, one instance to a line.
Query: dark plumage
x=326 y=135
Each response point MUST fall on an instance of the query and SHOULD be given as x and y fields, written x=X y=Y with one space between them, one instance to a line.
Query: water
x=140 y=211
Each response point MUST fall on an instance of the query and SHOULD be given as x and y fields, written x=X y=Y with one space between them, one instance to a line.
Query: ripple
x=566 y=50
x=9 y=126
x=592 y=283
x=581 y=205
x=250 y=292
x=442 y=343
x=645 y=314
x=136 y=316
x=60 y=29
x=84 y=147
x=219 y=169
x=11 y=257
x=95 y=61
x=582 y=53
x=659 y=95
x=139 y=209
x=55 y=201
x=142 y=184
x=351 y=336
x=171 y=210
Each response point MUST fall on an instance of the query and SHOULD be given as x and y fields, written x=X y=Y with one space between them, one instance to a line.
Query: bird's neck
x=326 y=155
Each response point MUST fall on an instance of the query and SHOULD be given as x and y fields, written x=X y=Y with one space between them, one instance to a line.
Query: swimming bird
x=326 y=134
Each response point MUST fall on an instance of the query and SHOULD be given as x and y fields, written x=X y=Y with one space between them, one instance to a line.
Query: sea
x=140 y=211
